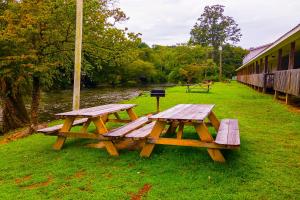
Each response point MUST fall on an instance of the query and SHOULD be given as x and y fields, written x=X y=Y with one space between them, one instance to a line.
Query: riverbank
x=266 y=166
x=57 y=101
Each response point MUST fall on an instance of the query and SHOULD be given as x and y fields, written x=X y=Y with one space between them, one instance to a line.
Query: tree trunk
x=14 y=110
x=35 y=102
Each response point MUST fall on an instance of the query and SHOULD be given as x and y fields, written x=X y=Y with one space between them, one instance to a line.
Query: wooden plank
x=111 y=149
x=119 y=132
x=61 y=139
x=78 y=135
x=228 y=133
x=253 y=79
x=86 y=125
x=205 y=136
x=58 y=127
x=100 y=125
x=112 y=110
x=214 y=120
x=203 y=133
x=294 y=87
x=187 y=112
x=131 y=114
x=155 y=133
x=97 y=111
x=141 y=132
x=180 y=131
x=117 y=116
x=172 y=128
x=84 y=110
x=287 y=81
x=168 y=112
x=190 y=143
x=119 y=120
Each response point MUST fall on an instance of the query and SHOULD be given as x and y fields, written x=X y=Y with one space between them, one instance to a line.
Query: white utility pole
x=78 y=47
x=220 y=66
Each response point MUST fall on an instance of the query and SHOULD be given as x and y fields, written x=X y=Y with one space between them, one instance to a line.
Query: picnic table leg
x=205 y=136
x=172 y=128
x=214 y=120
x=155 y=133
x=117 y=116
x=104 y=118
x=101 y=129
x=131 y=114
x=100 y=125
x=85 y=126
x=180 y=131
x=61 y=139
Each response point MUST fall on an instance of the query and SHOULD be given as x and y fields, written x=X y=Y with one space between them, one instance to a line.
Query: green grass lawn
x=267 y=166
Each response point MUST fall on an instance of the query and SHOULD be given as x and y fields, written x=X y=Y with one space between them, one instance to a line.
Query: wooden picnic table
x=199 y=87
x=193 y=115
x=98 y=115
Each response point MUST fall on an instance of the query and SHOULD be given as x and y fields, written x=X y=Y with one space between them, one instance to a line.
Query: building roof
x=260 y=51
x=254 y=52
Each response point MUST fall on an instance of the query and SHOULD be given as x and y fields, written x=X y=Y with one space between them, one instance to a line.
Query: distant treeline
x=37 y=53
x=156 y=64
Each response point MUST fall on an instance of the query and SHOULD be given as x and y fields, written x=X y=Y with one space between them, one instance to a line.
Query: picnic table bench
x=53 y=130
x=193 y=115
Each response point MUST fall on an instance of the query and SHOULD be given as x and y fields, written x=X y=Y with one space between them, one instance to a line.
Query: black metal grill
x=158 y=93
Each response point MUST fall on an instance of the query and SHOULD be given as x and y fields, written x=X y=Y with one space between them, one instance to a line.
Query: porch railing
x=252 y=79
x=269 y=80
x=287 y=81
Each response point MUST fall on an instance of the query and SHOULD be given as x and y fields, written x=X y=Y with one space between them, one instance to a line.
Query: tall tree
x=37 y=43
x=213 y=28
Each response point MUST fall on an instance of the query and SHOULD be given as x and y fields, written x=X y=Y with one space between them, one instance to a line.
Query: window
x=284 y=63
x=297 y=60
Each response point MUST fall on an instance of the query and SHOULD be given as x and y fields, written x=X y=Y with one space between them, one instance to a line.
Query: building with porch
x=274 y=66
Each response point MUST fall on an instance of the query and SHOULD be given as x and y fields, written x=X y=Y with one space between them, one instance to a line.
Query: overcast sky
x=168 y=22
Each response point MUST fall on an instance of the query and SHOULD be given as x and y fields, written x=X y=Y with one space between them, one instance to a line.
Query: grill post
x=157 y=104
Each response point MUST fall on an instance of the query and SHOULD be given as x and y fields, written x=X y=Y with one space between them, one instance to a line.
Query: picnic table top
x=185 y=112
x=96 y=111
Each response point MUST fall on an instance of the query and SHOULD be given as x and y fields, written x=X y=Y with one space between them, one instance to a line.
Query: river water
x=61 y=101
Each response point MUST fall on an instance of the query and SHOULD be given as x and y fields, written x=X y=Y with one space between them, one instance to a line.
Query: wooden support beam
x=214 y=120
x=261 y=67
x=172 y=128
x=266 y=66
x=287 y=99
x=78 y=135
x=131 y=114
x=205 y=136
x=155 y=133
x=180 y=131
x=100 y=125
x=292 y=55
x=276 y=95
x=85 y=126
x=119 y=120
x=279 y=59
x=190 y=143
x=61 y=139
